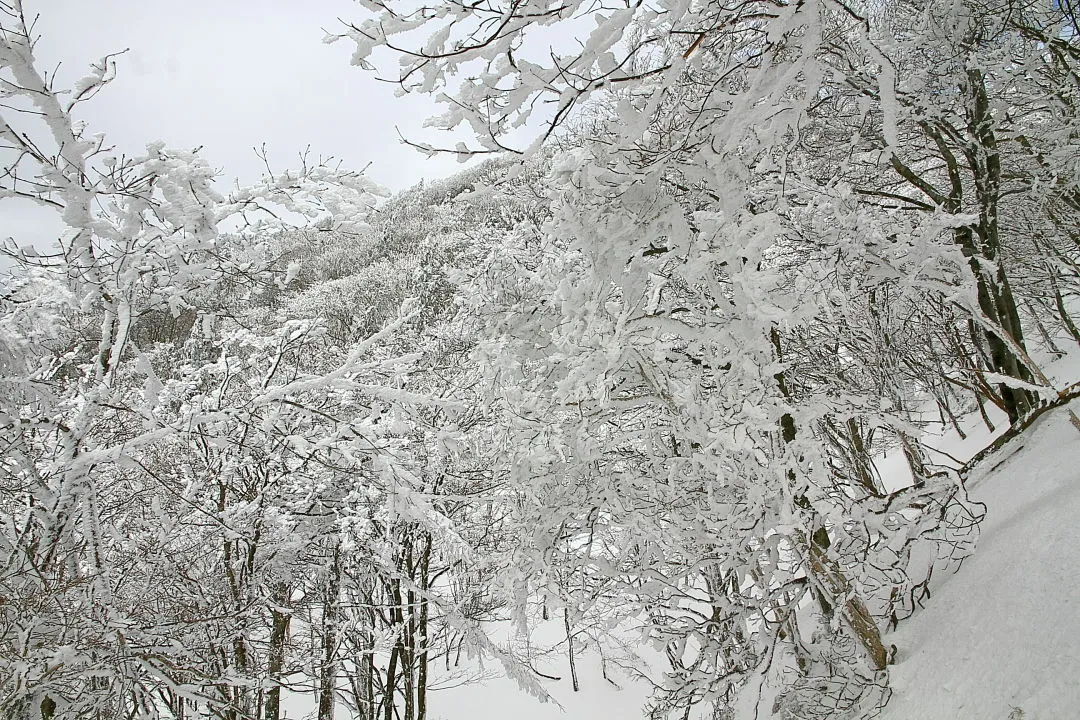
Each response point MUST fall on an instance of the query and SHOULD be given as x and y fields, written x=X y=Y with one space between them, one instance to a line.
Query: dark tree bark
x=570 y=649
x=423 y=640
x=830 y=583
x=329 y=666
x=275 y=664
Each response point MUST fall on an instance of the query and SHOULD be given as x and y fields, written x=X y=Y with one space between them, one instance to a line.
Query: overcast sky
x=229 y=75
x=232 y=74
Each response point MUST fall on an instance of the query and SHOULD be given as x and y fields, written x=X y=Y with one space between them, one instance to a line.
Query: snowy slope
x=1001 y=638
x=499 y=698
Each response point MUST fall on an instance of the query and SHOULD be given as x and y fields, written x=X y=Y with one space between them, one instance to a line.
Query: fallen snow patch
x=1000 y=638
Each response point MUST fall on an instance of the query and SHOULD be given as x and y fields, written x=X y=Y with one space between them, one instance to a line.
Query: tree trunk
x=387 y=701
x=408 y=617
x=980 y=242
x=328 y=669
x=830 y=577
x=570 y=648
x=366 y=690
x=48 y=708
x=834 y=584
x=995 y=294
x=423 y=641
x=1059 y=303
x=275 y=664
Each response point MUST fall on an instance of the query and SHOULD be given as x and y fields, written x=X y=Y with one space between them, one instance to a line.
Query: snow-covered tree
x=729 y=163
x=160 y=450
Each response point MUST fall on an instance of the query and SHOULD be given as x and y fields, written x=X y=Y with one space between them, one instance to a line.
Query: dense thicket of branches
x=637 y=373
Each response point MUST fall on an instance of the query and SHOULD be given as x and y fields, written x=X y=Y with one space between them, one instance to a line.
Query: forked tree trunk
x=831 y=584
x=977 y=156
x=982 y=245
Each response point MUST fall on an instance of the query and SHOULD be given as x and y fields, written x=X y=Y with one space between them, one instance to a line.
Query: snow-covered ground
x=1001 y=638
x=998 y=640
x=482 y=691
x=499 y=698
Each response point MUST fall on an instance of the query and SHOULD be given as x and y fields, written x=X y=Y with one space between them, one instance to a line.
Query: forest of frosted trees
x=304 y=439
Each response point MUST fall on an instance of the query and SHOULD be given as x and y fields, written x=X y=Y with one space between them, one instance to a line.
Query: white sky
x=232 y=74
x=229 y=75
